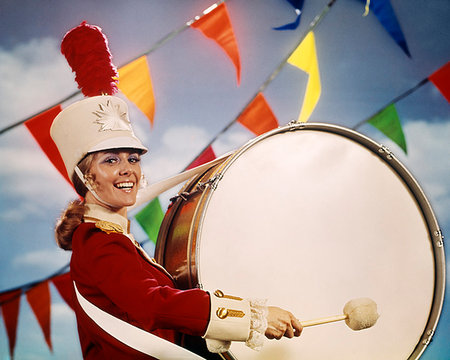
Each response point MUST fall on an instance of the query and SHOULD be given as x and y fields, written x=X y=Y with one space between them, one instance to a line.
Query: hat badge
x=110 y=117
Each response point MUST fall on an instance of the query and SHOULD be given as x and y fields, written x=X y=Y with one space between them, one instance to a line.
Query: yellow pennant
x=305 y=58
x=135 y=82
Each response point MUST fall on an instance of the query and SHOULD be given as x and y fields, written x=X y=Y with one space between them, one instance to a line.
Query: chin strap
x=133 y=336
x=90 y=188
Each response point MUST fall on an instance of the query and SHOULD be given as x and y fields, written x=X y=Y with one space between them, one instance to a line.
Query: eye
x=110 y=159
x=134 y=159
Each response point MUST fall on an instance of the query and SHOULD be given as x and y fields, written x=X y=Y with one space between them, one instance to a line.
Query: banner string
x=274 y=74
x=397 y=99
x=26 y=287
x=156 y=46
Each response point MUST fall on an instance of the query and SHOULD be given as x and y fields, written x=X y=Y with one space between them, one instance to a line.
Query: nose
x=125 y=171
x=125 y=168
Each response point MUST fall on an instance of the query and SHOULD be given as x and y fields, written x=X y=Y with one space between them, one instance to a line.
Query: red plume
x=86 y=50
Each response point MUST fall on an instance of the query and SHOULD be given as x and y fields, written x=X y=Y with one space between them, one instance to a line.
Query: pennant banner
x=305 y=58
x=258 y=116
x=298 y=6
x=136 y=84
x=206 y=156
x=39 y=299
x=441 y=79
x=386 y=16
x=150 y=219
x=388 y=122
x=39 y=127
x=63 y=284
x=10 y=302
x=216 y=25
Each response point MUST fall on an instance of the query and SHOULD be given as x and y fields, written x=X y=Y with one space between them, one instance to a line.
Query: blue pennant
x=298 y=6
x=386 y=16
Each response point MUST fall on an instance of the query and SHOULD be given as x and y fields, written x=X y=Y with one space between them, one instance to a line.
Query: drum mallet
x=358 y=314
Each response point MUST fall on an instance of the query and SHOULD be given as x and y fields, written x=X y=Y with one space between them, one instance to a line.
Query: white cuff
x=258 y=324
x=229 y=319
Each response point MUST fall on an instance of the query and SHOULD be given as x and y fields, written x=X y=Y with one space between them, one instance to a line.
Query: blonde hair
x=72 y=216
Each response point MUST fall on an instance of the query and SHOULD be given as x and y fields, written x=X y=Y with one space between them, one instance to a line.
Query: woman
x=110 y=269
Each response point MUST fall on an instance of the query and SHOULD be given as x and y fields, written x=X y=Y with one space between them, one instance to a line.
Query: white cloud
x=30 y=179
x=47 y=259
x=33 y=75
x=232 y=140
x=178 y=146
x=428 y=160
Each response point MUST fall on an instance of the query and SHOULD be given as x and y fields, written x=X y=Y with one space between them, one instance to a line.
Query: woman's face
x=115 y=177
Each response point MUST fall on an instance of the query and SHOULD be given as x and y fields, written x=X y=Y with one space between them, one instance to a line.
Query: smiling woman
x=110 y=271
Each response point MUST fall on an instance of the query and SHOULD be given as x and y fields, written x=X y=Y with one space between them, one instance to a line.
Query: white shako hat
x=90 y=125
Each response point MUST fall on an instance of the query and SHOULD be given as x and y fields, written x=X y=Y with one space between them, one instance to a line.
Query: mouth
x=126 y=186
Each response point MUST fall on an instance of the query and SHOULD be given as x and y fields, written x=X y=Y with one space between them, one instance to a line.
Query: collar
x=96 y=212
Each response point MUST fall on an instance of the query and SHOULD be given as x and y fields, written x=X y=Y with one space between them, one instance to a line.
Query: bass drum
x=310 y=216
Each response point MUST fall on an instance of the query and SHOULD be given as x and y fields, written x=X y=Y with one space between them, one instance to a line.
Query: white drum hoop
x=214 y=179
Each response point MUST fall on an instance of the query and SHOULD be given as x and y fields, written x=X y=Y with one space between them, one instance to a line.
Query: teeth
x=125 y=185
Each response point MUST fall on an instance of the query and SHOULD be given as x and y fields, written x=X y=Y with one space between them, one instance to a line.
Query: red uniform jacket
x=111 y=273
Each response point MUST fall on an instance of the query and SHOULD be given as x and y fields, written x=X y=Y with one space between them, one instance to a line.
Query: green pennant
x=150 y=218
x=388 y=122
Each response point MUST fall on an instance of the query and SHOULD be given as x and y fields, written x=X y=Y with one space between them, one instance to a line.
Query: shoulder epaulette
x=108 y=227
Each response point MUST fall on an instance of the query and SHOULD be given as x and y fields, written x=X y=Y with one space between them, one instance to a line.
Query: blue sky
x=361 y=68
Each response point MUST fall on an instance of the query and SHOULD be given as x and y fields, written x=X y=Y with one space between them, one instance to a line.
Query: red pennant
x=63 y=284
x=204 y=157
x=441 y=79
x=217 y=26
x=39 y=299
x=258 y=116
x=39 y=127
x=10 y=309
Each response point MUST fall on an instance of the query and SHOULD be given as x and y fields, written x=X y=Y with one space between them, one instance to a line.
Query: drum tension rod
x=199 y=188
x=385 y=150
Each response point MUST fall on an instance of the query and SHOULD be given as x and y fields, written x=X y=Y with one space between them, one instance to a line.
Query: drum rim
x=434 y=231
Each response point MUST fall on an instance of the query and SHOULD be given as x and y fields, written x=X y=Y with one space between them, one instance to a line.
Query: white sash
x=153 y=190
x=133 y=336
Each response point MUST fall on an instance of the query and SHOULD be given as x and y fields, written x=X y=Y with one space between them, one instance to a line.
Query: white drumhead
x=310 y=220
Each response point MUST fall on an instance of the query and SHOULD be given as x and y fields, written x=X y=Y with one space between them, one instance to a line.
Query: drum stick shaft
x=323 y=320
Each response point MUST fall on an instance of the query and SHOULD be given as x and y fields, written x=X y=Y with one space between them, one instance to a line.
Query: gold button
x=222 y=313
x=219 y=293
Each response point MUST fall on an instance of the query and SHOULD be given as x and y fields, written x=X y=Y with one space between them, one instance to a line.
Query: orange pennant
x=10 y=302
x=258 y=116
x=216 y=25
x=39 y=127
x=39 y=299
x=136 y=83
x=63 y=284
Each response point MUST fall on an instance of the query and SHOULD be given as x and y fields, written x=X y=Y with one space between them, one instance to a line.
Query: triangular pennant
x=258 y=116
x=305 y=58
x=216 y=25
x=10 y=303
x=298 y=6
x=63 y=284
x=39 y=127
x=39 y=299
x=136 y=83
x=388 y=122
x=150 y=219
x=386 y=16
x=441 y=79
x=207 y=155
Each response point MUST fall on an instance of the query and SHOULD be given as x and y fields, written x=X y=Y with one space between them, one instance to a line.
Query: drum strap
x=153 y=190
x=133 y=336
